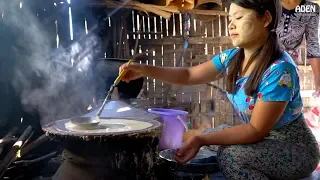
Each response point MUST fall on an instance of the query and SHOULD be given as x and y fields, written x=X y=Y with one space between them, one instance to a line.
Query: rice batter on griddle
x=110 y=125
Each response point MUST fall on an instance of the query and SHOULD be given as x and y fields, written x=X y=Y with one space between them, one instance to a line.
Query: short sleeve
x=222 y=59
x=312 y=35
x=279 y=82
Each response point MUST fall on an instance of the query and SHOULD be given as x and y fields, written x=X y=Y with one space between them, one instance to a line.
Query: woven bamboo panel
x=205 y=40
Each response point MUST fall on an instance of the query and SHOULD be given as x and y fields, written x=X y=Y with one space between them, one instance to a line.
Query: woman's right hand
x=134 y=71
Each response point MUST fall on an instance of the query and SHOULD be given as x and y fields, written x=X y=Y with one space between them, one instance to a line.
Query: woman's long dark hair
x=266 y=54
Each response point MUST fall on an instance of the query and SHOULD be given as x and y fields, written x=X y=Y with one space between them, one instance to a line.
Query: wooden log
x=40 y=140
x=14 y=152
x=29 y=162
x=27 y=140
x=7 y=138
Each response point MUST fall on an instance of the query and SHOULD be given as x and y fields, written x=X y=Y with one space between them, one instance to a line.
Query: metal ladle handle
x=122 y=73
x=118 y=79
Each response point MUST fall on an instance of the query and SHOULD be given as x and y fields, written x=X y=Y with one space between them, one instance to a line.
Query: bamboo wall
x=165 y=40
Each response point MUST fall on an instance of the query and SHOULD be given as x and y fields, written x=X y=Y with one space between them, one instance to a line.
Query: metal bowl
x=203 y=163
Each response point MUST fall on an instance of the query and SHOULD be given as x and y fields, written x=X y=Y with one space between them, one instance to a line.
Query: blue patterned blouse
x=280 y=82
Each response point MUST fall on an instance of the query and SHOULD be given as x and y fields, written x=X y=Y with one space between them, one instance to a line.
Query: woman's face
x=246 y=29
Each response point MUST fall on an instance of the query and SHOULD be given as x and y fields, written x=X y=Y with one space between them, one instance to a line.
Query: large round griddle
x=107 y=128
x=117 y=132
x=118 y=119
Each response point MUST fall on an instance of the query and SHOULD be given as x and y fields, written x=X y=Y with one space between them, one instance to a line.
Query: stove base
x=72 y=171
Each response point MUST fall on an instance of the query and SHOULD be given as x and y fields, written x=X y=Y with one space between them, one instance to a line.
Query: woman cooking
x=293 y=26
x=273 y=140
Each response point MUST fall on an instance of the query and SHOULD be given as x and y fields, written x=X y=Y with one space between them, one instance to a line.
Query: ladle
x=89 y=121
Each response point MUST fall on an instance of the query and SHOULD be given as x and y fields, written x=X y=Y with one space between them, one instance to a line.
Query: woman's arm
x=313 y=45
x=205 y=72
x=264 y=116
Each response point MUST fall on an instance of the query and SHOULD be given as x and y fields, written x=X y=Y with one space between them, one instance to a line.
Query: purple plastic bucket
x=174 y=126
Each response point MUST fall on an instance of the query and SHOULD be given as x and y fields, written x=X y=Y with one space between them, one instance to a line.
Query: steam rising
x=55 y=82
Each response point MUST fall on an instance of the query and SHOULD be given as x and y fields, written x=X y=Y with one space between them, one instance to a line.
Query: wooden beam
x=192 y=40
x=132 y=5
x=205 y=12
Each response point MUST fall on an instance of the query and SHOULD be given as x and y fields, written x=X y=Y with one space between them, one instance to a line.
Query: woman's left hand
x=188 y=151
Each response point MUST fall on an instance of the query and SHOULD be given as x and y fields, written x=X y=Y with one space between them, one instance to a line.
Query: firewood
x=8 y=138
x=29 y=162
x=40 y=140
x=14 y=152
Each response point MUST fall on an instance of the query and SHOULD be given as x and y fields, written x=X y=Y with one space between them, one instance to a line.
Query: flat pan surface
x=106 y=127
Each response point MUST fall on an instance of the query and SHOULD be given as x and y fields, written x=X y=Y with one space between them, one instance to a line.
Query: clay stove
x=123 y=146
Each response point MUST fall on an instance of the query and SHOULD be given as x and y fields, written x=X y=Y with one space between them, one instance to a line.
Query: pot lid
x=118 y=109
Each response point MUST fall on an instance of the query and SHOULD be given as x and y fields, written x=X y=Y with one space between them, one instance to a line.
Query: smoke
x=56 y=83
